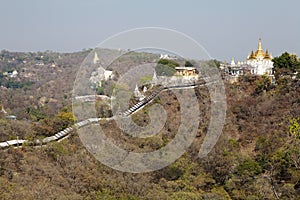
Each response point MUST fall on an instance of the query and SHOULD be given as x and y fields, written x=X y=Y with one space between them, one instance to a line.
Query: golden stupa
x=267 y=55
x=252 y=55
x=259 y=52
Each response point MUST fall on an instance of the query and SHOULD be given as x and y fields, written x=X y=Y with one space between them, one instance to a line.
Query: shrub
x=294 y=127
x=249 y=168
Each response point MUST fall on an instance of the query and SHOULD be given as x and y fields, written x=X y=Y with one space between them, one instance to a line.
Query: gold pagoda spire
x=259 y=44
x=252 y=55
x=260 y=52
x=267 y=55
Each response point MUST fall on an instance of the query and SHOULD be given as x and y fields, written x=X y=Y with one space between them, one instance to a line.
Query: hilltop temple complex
x=257 y=63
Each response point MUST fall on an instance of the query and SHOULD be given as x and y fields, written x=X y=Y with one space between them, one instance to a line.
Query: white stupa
x=154 y=78
x=96 y=58
x=137 y=93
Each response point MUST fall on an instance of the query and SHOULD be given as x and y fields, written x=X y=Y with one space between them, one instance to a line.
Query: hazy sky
x=226 y=28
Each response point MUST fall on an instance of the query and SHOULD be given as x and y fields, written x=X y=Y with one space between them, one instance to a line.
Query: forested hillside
x=256 y=157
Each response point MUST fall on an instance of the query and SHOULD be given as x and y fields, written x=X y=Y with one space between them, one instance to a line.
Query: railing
x=64 y=133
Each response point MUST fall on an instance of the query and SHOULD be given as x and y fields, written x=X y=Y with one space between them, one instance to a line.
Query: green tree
x=100 y=90
x=188 y=64
x=169 y=63
x=294 y=127
x=262 y=84
x=163 y=70
x=287 y=61
x=248 y=168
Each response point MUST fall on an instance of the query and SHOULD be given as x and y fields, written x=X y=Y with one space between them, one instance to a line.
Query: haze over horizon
x=225 y=29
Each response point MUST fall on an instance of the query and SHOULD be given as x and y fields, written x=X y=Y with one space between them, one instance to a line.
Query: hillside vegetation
x=256 y=157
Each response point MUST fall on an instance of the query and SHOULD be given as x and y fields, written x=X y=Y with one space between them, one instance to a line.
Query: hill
x=256 y=157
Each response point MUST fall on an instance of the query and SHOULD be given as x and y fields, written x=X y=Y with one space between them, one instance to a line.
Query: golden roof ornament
x=252 y=55
x=259 y=44
x=260 y=52
x=267 y=55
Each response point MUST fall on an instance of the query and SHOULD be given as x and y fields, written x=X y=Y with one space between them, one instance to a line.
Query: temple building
x=258 y=63
x=186 y=71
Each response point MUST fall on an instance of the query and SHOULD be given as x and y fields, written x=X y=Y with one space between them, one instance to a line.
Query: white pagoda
x=260 y=61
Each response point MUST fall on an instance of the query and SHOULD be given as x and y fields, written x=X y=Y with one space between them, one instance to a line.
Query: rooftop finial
x=259 y=44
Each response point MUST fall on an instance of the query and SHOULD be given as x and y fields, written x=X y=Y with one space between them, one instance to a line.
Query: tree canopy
x=287 y=61
x=166 y=67
x=169 y=63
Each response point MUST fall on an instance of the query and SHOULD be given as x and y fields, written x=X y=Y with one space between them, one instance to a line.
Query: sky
x=225 y=28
